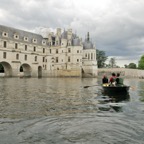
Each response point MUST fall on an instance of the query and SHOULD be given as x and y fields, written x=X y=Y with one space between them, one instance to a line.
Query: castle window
x=25 y=57
x=91 y=56
x=4 y=55
x=16 y=36
x=43 y=50
x=56 y=50
x=25 y=47
x=69 y=59
x=16 y=45
x=56 y=59
x=35 y=58
x=34 y=48
x=4 y=44
x=85 y=55
x=77 y=51
x=5 y=34
x=44 y=42
x=43 y=59
x=50 y=50
x=17 y=56
x=34 y=40
x=88 y=56
x=25 y=38
x=77 y=60
x=69 y=50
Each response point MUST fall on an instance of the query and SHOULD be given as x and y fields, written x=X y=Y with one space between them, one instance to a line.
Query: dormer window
x=5 y=34
x=16 y=36
x=25 y=38
x=34 y=40
x=44 y=42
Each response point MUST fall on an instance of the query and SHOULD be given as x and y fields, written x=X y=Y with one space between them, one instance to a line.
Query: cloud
x=115 y=26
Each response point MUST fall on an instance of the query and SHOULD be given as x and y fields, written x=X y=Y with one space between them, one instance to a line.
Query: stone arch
x=26 y=70
x=7 y=69
x=39 y=71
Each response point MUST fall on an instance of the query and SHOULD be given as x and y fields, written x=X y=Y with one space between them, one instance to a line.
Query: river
x=63 y=111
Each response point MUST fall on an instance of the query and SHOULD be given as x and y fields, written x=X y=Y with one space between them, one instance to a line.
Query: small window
x=35 y=58
x=50 y=50
x=68 y=59
x=16 y=45
x=91 y=55
x=4 y=55
x=16 y=36
x=77 y=60
x=34 y=40
x=77 y=51
x=25 y=38
x=5 y=34
x=43 y=59
x=34 y=49
x=69 y=50
x=43 y=50
x=17 y=56
x=44 y=42
x=25 y=47
x=4 y=44
x=25 y=57
x=56 y=50
x=56 y=59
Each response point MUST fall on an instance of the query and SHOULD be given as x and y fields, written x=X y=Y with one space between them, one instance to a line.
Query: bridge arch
x=7 y=69
x=25 y=69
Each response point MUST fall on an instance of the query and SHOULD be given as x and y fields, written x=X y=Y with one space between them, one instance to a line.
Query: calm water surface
x=62 y=111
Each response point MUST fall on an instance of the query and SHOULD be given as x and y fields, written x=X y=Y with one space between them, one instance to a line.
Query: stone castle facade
x=61 y=54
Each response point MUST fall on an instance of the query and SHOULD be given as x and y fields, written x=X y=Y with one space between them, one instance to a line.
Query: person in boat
x=112 y=79
x=104 y=80
x=119 y=80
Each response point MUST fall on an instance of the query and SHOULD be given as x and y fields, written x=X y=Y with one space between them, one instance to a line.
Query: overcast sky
x=115 y=26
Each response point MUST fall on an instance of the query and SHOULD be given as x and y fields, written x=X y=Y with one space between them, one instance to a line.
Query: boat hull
x=116 y=89
x=117 y=93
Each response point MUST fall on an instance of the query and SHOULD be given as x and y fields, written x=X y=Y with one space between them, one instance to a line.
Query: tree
x=132 y=66
x=126 y=66
x=112 y=62
x=101 y=58
x=141 y=63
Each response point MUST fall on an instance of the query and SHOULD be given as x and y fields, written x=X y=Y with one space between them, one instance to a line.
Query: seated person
x=119 y=80
x=105 y=79
x=112 y=79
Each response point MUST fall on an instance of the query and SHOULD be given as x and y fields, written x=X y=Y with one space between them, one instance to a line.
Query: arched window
x=35 y=58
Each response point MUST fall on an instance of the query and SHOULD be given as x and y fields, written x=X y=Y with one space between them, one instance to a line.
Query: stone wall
x=135 y=73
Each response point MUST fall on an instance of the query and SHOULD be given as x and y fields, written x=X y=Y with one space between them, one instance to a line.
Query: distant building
x=61 y=54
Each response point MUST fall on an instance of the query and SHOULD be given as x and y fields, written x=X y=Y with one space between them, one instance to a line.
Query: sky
x=115 y=26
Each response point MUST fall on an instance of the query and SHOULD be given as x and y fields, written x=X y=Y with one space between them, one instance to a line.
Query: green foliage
x=141 y=63
x=101 y=58
x=112 y=62
x=132 y=66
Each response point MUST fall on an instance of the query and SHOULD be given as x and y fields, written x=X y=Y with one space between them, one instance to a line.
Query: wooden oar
x=90 y=86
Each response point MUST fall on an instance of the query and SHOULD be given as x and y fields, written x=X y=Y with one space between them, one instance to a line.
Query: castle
x=60 y=54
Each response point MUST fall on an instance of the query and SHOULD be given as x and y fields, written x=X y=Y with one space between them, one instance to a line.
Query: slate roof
x=11 y=31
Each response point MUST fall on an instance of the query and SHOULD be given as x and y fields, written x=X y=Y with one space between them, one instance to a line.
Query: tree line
x=102 y=58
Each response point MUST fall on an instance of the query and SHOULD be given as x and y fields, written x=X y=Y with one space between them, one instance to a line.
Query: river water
x=63 y=111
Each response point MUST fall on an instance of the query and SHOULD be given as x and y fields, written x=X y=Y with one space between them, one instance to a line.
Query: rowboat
x=119 y=93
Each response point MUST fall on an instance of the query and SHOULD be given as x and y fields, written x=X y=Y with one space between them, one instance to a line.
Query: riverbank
x=129 y=73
